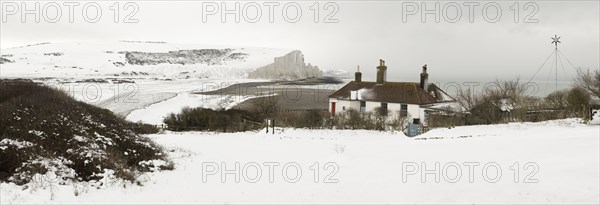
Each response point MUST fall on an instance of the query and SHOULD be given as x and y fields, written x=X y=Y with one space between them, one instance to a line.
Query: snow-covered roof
x=392 y=92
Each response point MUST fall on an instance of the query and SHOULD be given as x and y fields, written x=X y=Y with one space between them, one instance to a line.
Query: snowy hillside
x=541 y=163
x=133 y=59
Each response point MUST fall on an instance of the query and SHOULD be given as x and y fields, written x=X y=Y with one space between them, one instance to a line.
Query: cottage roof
x=391 y=92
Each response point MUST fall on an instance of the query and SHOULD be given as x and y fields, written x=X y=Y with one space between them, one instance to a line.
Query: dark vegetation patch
x=312 y=119
x=203 y=119
x=44 y=130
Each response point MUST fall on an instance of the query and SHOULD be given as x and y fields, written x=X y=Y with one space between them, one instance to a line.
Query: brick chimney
x=357 y=75
x=381 y=72
x=424 y=78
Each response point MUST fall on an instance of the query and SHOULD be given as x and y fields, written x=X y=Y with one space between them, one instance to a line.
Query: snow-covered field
x=547 y=162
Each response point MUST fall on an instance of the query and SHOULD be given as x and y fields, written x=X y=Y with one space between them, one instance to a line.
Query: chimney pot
x=424 y=78
x=357 y=75
x=381 y=72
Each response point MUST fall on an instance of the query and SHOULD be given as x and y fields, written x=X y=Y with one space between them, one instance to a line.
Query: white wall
x=370 y=106
x=414 y=110
x=343 y=105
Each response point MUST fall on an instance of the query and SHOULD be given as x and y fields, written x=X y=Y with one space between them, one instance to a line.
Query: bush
x=578 y=100
x=202 y=119
x=557 y=99
x=144 y=129
x=43 y=129
x=352 y=119
x=589 y=81
x=484 y=113
x=380 y=118
x=446 y=118
x=313 y=119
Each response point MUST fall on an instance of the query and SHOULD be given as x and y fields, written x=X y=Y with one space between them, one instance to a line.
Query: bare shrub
x=468 y=99
x=352 y=119
x=500 y=101
x=265 y=107
x=399 y=121
x=557 y=99
x=578 y=101
x=510 y=97
x=380 y=116
x=589 y=81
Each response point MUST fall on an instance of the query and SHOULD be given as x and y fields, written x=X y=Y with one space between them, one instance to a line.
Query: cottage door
x=333 y=108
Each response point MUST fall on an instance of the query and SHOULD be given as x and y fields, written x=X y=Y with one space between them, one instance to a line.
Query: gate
x=413 y=130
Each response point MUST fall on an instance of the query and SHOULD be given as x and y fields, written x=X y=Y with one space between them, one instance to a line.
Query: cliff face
x=184 y=57
x=288 y=67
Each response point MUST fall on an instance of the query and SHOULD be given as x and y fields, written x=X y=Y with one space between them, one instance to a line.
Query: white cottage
x=408 y=99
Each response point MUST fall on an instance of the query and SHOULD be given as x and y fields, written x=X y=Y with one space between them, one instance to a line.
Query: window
x=416 y=121
x=363 y=106
x=343 y=107
x=384 y=108
x=403 y=110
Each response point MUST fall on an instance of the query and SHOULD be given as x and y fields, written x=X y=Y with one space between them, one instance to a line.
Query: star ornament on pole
x=555 y=41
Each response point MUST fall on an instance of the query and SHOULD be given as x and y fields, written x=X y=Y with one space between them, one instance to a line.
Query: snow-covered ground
x=547 y=162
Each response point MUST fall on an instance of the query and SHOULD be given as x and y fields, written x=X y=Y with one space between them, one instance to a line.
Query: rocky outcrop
x=4 y=60
x=288 y=67
x=184 y=57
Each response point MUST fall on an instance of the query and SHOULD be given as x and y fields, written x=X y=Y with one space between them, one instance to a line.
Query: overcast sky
x=366 y=31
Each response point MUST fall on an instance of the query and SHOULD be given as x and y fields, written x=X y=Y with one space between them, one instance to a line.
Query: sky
x=477 y=45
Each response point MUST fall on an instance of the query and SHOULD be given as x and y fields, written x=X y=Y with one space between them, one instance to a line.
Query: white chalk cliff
x=288 y=67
